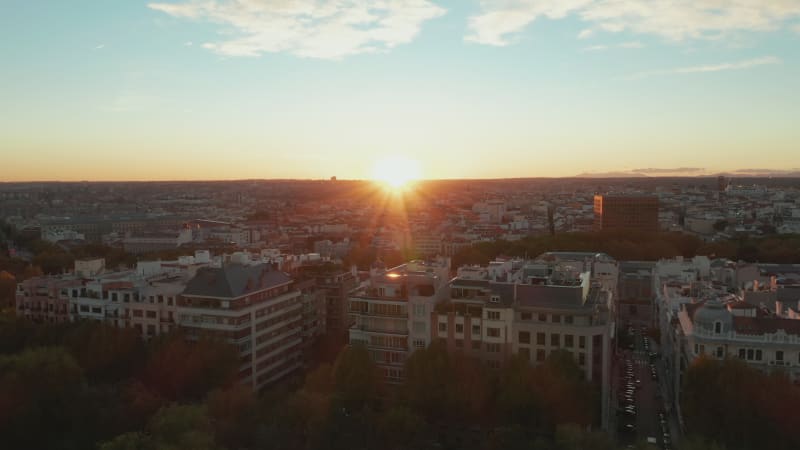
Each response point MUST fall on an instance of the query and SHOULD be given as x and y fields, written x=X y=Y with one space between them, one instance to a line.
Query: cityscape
x=400 y=224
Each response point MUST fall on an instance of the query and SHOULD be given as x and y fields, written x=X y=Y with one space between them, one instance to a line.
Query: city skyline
x=308 y=90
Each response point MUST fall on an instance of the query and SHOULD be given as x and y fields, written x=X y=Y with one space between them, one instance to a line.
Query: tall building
x=559 y=301
x=625 y=212
x=393 y=314
x=271 y=321
x=253 y=307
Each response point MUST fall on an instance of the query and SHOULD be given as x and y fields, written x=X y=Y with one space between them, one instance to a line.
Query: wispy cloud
x=653 y=171
x=739 y=65
x=585 y=34
x=307 y=28
x=633 y=44
x=595 y=48
x=187 y=44
x=100 y=46
x=500 y=22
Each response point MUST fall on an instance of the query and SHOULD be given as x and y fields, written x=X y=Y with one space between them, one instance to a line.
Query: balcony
x=358 y=312
x=370 y=329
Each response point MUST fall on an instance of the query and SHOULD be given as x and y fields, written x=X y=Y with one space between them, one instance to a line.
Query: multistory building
x=393 y=313
x=254 y=308
x=626 y=212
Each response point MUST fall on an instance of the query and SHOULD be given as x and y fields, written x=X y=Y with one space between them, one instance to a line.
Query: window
x=459 y=328
x=582 y=359
x=524 y=337
x=525 y=353
x=493 y=348
x=568 y=340
x=581 y=341
x=719 y=352
x=476 y=345
x=151 y=314
x=568 y=319
x=476 y=330
x=84 y=308
x=555 y=339
x=758 y=355
x=493 y=332
x=556 y=318
x=779 y=355
x=419 y=310
x=540 y=355
x=525 y=316
x=113 y=296
x=442 y=327
x=151 y=330
x=540 y=339
x=717 y=327
x=97 y=310
x=750 y=353
x=493 y=315
x=419 y=343
x=137 y=313
x=702 y=349
x=742 y=353
x=494 y=364
x=542 y=317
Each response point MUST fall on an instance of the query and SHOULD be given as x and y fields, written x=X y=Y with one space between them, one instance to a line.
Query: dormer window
x=718 y=327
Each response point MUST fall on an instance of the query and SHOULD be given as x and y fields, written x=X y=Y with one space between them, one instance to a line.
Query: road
x=649 y=397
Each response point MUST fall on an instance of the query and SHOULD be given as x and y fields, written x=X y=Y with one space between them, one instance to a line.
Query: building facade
x=626 y=212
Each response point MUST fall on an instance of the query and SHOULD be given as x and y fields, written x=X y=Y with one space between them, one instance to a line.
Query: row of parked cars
x=627 y=396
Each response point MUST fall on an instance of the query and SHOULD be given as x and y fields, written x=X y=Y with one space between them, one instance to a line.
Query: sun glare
x=396 y=171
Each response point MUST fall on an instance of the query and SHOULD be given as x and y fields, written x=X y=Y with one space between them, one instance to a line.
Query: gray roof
x=505 y=291
x=234 y=280
x=550 y=296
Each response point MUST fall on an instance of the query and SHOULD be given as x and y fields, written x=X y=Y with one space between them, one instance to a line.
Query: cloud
x=739 y=65
x=187 y=44
x=633 y=44
x=100 y=46
x=595 y=48
x=307 y=28
x=584 y=34
x=499 y=22
x=652 y=170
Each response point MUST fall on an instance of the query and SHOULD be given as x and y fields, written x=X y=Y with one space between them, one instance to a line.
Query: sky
x=233 y=89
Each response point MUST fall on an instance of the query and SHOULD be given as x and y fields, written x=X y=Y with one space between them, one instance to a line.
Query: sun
x=396 y=171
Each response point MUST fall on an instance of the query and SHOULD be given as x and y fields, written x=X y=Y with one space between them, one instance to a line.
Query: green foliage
x=639 y=246
x=39 y=387
x=180 y=370
x=720 y=398
x=355 y=378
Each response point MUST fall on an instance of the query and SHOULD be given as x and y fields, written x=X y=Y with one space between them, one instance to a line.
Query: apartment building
x=336 y=283
x=559 y=301
x=392 y=316
x=626 y=212
x=41 y=300
x=731 y=328
x=271 y=321
x=254 y=308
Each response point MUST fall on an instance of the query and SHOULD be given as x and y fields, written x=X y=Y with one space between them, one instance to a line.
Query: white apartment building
x=253 y=307
x=392 y=316
x=555 y=302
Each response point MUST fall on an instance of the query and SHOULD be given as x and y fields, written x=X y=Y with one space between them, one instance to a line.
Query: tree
x=355 y=378
x=180 y=370
x=40 y=386
x=233 y=412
